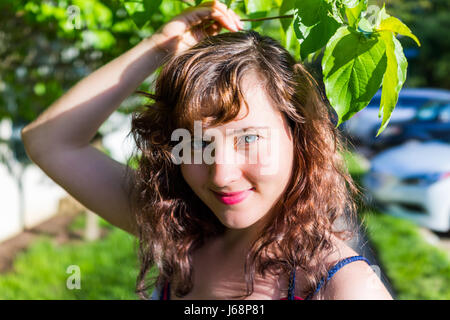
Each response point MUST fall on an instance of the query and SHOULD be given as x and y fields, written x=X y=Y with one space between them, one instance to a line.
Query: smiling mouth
x=234 y=197
x=229 y=194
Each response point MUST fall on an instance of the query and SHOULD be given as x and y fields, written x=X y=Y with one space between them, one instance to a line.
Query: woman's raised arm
x=58 y=141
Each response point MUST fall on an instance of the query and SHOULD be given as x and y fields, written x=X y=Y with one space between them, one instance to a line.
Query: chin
x=236 y=221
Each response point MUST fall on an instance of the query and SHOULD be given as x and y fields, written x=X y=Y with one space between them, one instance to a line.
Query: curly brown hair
x=173 y=222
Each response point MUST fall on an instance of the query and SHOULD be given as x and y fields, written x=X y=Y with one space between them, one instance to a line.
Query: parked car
x=431 y=122
x=412 y=181
x=361 y=127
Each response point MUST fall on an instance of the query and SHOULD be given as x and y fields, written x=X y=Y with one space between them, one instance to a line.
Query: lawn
x=417 y=269
x=108 y=268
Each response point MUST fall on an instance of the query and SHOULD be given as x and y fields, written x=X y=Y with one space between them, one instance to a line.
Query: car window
x=444 y=115
x=415 y=102
x=428 y=112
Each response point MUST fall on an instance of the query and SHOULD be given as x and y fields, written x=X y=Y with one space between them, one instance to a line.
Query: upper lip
x=228 y=194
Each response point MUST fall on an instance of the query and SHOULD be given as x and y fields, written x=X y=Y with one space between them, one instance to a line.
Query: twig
x=269 y=18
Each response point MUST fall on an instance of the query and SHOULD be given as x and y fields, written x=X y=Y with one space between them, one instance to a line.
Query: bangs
x=218 y=104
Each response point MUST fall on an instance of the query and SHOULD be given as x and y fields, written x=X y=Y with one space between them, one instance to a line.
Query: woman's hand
x=194 y=24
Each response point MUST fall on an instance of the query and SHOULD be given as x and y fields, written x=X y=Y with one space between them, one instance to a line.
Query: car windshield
x=428 y=111
x=403 y=102
x=434 y=110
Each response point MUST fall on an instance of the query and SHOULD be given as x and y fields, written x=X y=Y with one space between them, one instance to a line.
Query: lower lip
x=234 y=198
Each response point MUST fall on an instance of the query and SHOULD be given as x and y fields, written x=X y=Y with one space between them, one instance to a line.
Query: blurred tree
x=429 y=20
x=45 y=47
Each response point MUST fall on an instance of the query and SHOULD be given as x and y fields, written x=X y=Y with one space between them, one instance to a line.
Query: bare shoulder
x=354 y=281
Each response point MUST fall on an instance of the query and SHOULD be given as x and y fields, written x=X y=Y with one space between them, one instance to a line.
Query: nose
x=224 y=170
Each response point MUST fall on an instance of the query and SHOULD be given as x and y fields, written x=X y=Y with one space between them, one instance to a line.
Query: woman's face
x=260 y=166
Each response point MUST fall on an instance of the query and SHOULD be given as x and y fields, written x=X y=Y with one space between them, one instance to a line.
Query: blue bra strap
x=161 y=293
x=165 y=290
x=291 y=290
x=336 y=267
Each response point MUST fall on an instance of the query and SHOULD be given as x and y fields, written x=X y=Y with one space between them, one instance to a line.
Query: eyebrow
x=246 y=129
x=240 y=130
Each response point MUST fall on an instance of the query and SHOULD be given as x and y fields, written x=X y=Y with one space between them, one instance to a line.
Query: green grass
x=108 y=268
x=417 y=270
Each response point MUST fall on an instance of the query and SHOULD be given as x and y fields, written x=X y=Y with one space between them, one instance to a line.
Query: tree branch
x=269 y=18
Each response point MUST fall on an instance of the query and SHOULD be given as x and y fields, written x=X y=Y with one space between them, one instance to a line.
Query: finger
x=230 y=13
x=224 y=19
x=233 y=18
x=236 y=19
x=210 y=10
x=214 y=29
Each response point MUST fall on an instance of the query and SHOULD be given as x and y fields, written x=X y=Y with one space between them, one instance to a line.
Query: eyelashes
x=196 y=143
x=252 y=135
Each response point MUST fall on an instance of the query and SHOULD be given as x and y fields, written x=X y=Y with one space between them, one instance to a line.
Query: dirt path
x=55 y=227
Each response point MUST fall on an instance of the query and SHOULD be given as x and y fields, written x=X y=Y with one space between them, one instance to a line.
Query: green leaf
x=257 y=5
x=311 y=12
x=137 y=13
x=257 y=9
x=395 y=25
x=301 y=30
x=381 y=15
x=353 y=68
x=228 y=3
x=318 y=36
x=39 y=88
x=133 y=7
x=353 y=12
x=364 y=26
x=140 y=19
x=287 y=7
x=98 y=39
x=313 y=25
x=290 y=41
x=152 y=6
x=351 y=3
x=337 y=11
x=256 y=15
x=394 y=77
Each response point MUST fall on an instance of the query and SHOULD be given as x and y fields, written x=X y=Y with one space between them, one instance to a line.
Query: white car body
x=391 y=183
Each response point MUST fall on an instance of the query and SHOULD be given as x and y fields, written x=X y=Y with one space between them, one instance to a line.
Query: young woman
x=259 y=221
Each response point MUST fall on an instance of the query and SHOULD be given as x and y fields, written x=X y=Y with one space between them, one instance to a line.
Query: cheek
x=194 y=174
x=275 y=158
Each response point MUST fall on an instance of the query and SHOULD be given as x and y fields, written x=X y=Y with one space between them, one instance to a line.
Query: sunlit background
x=51 y=247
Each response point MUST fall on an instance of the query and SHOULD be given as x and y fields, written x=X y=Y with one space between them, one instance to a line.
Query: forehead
x=261 y=109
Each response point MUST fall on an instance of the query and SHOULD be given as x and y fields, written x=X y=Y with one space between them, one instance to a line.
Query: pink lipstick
x=234 y=197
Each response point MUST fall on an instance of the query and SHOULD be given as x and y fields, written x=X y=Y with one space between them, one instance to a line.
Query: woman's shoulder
x=356 y=280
